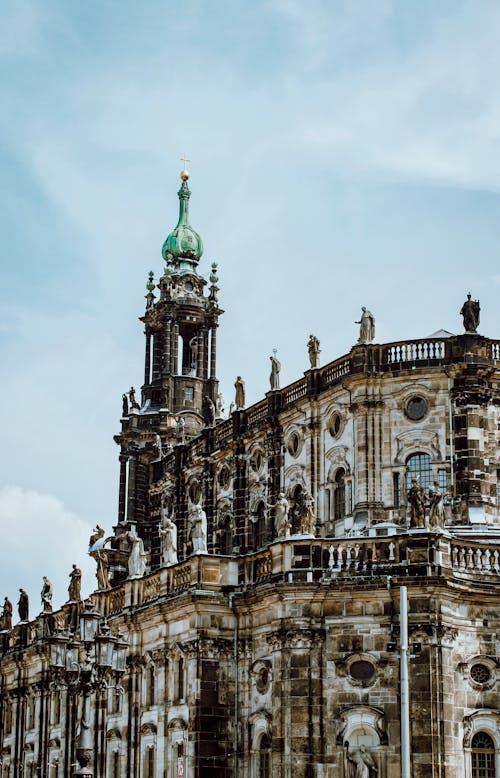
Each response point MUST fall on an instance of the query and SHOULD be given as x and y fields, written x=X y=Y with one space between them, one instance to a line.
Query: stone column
x=168 y=347
x=122 y=493
x=213 y=351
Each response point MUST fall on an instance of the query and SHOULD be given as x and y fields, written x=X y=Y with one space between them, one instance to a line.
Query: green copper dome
x=183 y=242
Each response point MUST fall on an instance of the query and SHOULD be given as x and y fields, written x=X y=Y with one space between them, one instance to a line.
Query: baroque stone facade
x=247 y=600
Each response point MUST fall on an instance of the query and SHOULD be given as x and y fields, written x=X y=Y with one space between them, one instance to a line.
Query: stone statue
x=137 y=557
x=274 y=378
x=367 y=326
x=197 y=529
x=436 y=514
x=470 y=313
x=134 y=405
x=23 y=606
x=102 y=572
x=124 y=405
x=6 y=622
x=240 y=393
x=308 y=519
x=46 y=595
x=193 y=351
x=179 y=430
x=75 y=582
x=158 y=447
x=363 y=763
x=282 y=521
x=314 y=351
x=168 y=539
x=97 y=534
x=210 y=414
x=416 y=499
x=232 y=409
x=219 y=407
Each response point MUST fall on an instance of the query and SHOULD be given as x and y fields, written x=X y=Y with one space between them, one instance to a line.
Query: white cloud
x=41 y=537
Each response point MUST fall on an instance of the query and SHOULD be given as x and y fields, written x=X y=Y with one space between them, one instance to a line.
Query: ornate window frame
x=260 y=725
x=482 y=720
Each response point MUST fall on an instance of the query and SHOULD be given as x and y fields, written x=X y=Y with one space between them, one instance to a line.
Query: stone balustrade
x=472 y=558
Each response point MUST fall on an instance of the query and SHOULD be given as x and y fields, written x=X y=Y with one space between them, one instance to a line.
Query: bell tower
x=181 y=328
x=179 y=393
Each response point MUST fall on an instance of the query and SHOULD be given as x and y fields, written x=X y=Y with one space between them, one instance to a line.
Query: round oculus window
x=256 y=461
x=480 y=673
x=362 y=670
x=294 y=444
x=188 y=286
x=262 y=680
x=335 y=425
x=416 y=408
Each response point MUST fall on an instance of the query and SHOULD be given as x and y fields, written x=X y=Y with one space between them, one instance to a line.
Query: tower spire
x=183 y=247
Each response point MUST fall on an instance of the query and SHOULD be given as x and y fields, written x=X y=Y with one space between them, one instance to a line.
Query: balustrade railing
x=414 y=351
x=475 y=559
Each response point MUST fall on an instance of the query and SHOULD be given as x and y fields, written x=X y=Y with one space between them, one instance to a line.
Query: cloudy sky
x=344 y=153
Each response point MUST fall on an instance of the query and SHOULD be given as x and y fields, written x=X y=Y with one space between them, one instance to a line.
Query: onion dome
x=183 y=243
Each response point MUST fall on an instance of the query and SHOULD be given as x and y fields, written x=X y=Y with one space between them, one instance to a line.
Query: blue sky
x=343 y=154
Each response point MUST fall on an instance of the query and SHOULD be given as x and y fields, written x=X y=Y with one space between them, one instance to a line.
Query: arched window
x=339 y=494
x=227 y=535
x=483 y=756
x=264 y=761
x=115 y=764
x=259 y=527
x=297 y=508
x=418 y=466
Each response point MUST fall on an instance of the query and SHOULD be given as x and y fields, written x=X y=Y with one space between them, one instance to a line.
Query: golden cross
x=185 y=159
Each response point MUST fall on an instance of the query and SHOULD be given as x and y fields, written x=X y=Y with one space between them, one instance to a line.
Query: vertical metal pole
x=403 y=683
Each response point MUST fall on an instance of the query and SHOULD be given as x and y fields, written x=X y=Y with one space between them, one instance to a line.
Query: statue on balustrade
x=75 y=582
x=363 y=765
x=274 y=378
x=180 y=432
x=23 y=606
x=197 y=529
x=367 y=327
x=436 y=499
x=282 y=521
x=416 y=500
x=240 y=393
x=102 y=572
x=134 y=405
x=210 y=411
x=308 y=519
x=124 y=405
x=138 y=558
x=219 y=406
x=97 y=534
x=470 y=313
x=46 y=595
x=314 y=351
x=6 y=622
x=168 y=539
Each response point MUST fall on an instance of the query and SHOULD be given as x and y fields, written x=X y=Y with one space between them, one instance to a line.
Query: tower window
x=483 y=756
x=339 y=495
x=396 y=489
x=418 y=466
x=189 y=393
x=264 y=757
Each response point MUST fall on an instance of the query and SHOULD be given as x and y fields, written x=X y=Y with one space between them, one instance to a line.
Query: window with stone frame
x=30 y=718
x=396 y=486
x=483 y=756
x=339 y=494
x=419 y=467
x=150 y=686
x=259 y=527
x=115 y=700
x=264 y=757
x=115 y=764
x=179 y=679
x=56 y=707
x=149 y=762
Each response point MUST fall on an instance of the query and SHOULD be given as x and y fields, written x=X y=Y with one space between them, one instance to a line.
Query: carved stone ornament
x=417 y=440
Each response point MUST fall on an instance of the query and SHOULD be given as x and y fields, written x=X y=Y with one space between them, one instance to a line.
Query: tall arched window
x=419 y=466
x=259 y=529
x=264 y=757
x=339 y=494
x=483 y=756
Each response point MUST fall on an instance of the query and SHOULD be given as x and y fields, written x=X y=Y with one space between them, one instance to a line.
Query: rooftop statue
x=436 y=515
x=470 y=313
x=179 y=430
x=416 y=500
x=168 y=539
x=239 y=385
x=210 y=413
x=274 y=378
x=367 y=327
x=6 y=622
x=134 y=405
x=124 y=405
x=308 y=519
x=102 y=572
x=281 y=516
x=97 y=534
x=219 y=406
x=137 y=558
x=23 y=606
x=197 y=529
x=74 y=588
x=314 y=351
x=46 y=595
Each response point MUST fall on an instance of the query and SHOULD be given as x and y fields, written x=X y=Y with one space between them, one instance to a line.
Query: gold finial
x=184 y=172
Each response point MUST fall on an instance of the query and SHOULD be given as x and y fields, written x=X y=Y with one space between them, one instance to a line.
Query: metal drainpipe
x=236 y=684
x=450 y=417
x=403 y=682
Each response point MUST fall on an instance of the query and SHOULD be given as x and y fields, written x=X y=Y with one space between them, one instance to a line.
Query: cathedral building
x=304 y=588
